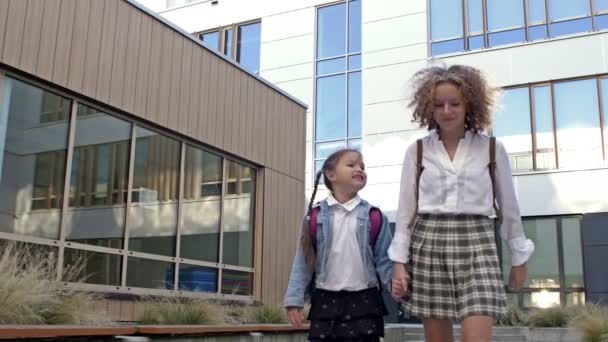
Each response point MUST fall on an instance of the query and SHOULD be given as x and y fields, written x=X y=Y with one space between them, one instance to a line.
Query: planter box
x=554 y=335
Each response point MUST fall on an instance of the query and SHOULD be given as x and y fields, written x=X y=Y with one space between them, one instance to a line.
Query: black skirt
x=346 y=315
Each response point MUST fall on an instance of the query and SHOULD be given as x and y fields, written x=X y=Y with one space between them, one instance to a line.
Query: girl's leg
x=477 y=329
x=438 y=330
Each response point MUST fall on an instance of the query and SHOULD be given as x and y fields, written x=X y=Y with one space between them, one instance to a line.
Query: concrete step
x=415 y=333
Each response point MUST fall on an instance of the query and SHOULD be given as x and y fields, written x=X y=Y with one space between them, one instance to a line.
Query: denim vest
x=376 y=262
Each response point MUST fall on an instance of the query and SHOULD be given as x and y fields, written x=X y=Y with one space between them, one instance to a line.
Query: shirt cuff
x=399 y=250
x=521 y=250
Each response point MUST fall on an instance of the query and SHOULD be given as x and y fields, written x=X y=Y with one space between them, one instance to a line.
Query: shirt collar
x=350 y=205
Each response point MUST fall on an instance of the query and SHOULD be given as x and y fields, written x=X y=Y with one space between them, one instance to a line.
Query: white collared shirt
x=345 y=269
x=461 y=186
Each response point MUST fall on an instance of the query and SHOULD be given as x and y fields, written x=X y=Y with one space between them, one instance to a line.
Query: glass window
x=149 y=273
x=331 y=108
x=354 y=62
x=228 y=42
x=354 y=143
x=98 y=181
x=152 y=222
x=570 y=26
x=92 y=267
x=446 y=19
x=507 y=37
x=325 y=149
x=579 y=141
x=33 y=162
x=200 y=226
x=354 y=26
x=600 y=5
x=331 y=31
x=572 y=249
x=564 y=9
x=536 y=12
x=476 y=42
x=543 y=124
x=238 y=213
x=331 y=66
x=601 y=22
x=197 y=278
x=248 y=49
x=354 y=104
x=211 y=39
x=447 y=46
x=475 y=16
x=512 y=126
x=503 y=15
x=537 y=32
x=237 y=282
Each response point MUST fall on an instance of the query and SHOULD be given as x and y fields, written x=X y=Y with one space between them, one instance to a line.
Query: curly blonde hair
x=477 y=94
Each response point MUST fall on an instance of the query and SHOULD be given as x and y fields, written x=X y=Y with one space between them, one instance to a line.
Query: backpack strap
x=492 y=167
x=419 y=169
x=314 y=214
x=375 y=219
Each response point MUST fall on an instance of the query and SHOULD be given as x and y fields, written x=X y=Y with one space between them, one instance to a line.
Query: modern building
x=128 y=146
x=351 y=61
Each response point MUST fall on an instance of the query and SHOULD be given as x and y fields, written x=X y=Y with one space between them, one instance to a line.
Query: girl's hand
x=399 y=281
x=517 y=277
x=295 y=316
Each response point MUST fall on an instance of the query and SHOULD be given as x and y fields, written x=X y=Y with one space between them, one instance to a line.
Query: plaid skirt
x=455 y=269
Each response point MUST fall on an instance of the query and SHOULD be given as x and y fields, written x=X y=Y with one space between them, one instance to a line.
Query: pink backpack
x=375 y=218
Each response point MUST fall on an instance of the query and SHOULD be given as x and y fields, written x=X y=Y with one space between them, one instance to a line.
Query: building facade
x=136 y=155
x=351 y=62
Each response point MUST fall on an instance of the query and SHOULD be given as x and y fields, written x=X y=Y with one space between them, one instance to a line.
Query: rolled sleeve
x=521 y=250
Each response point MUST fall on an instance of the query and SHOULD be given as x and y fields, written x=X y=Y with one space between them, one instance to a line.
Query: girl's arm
x=384 y=265
x=511 y=229
x=399 y=248
x=300 y=275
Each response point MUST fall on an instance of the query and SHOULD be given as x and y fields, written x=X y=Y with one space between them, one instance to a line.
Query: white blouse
x=345 y=269
x=461 y=186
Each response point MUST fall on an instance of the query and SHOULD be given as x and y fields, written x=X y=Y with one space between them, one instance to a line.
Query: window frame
x=122 y=288
x=593 y=14
x=563 y=289
x=222 y=32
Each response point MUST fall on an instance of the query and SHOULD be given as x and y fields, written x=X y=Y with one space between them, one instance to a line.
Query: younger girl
x=443 y=228
x=339 y=261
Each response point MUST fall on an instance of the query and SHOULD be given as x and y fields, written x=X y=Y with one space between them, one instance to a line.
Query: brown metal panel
x=93 y=47
x=164 y=82
x=133 y=55
x=212 y=89
x=106 y=53
x=204 y=110
x=48 y=39
x=119 y=60
x=61 y=63
x=184 y=94
x=154 y=71
x=302 y=142
x=270 y=118
x=195 y=87
x=31 y=37
x=244 y=114
x=79 y=43
x=15 y=27
x=143 y=66
x=251 y=116
x=224 y=90
x=3 y=19
x=170 y=119
x=258 y=249
x=228 y=117
x=255 y=127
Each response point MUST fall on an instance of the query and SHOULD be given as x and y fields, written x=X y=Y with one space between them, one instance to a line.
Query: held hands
x=399 y=281
x=517 y=277
x=295 y=316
